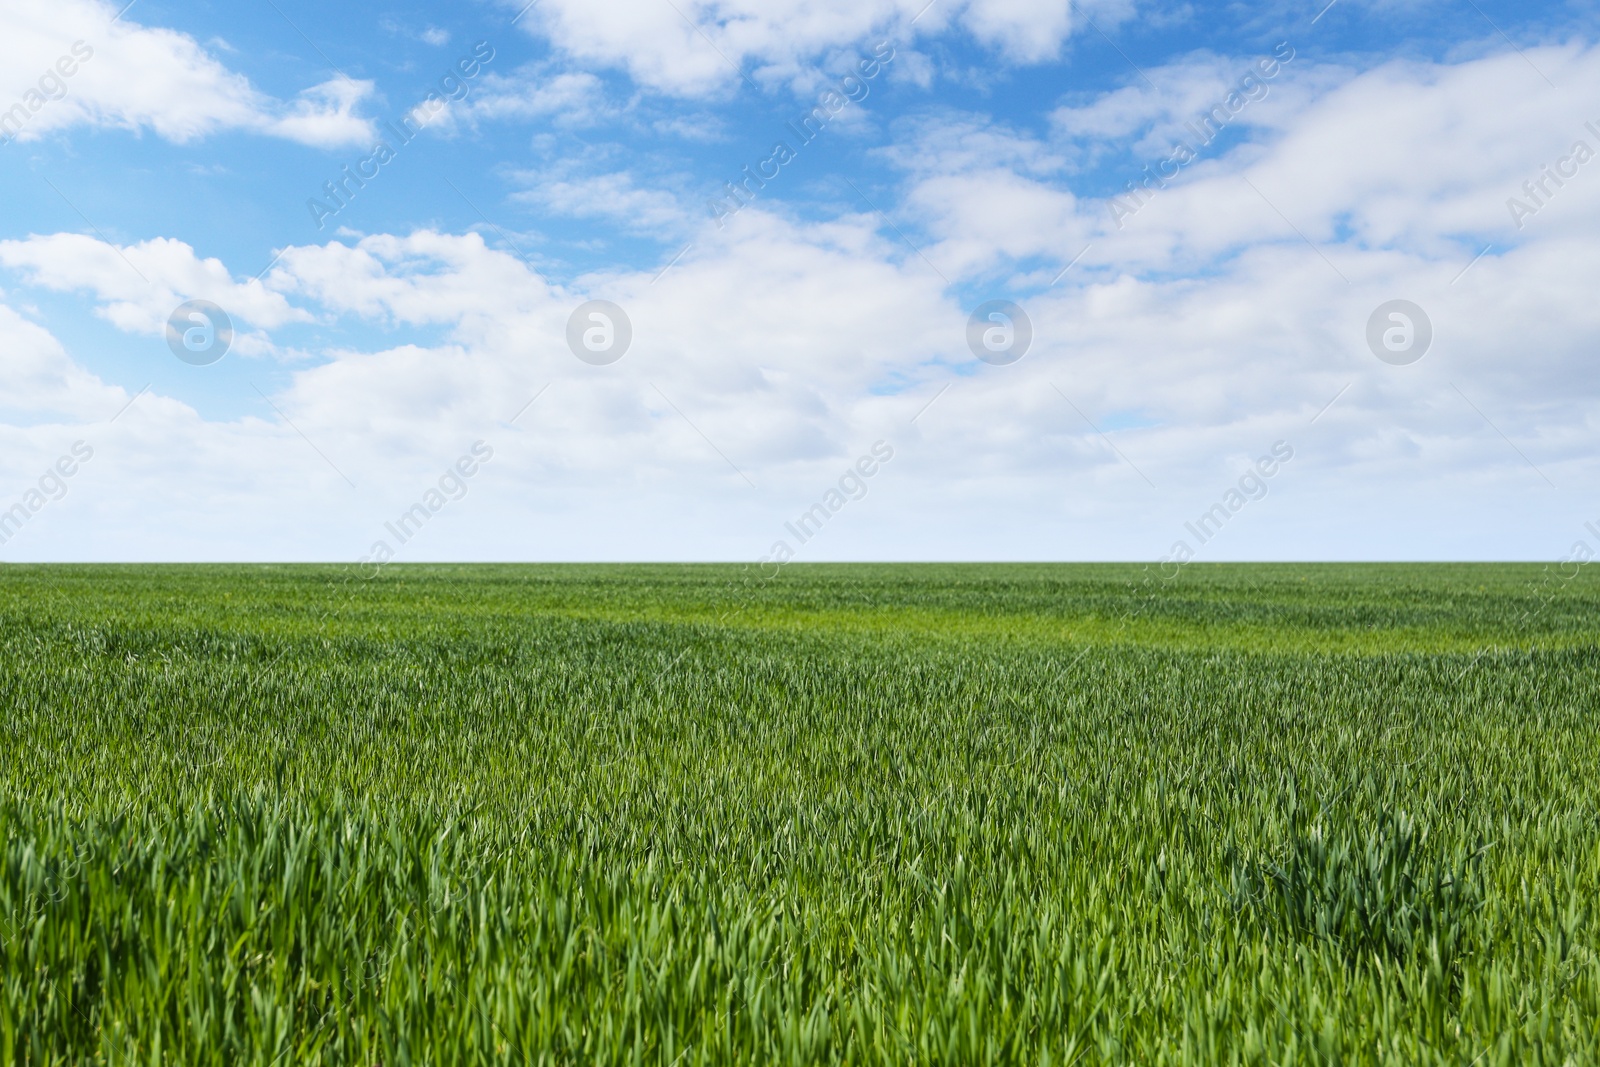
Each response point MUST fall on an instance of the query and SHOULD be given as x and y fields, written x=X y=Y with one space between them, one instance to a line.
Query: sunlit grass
x=869 y=815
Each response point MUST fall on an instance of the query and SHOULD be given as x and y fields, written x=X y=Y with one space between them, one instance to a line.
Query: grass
x=872 y=814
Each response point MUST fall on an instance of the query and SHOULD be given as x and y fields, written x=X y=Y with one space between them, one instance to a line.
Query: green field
x=858 y=814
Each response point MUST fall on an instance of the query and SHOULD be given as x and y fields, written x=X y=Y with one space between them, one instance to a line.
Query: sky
x=799 y=280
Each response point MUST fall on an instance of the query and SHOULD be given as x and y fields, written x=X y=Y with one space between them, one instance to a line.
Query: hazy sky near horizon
x=863 y=279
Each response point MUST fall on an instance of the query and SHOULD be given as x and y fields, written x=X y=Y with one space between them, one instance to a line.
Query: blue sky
x=1361 y=154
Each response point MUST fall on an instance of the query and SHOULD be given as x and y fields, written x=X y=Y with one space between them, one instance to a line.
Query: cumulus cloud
x=138 y=286
x=1406 y=156
x=425 y=278
x=66 y=63
x=697 y=48
x=41 y=379
x=324 y=115
x=775 y=349
x=1238 y=294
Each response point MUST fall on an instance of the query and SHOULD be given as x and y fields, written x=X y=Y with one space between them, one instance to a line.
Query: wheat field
x=676 y=815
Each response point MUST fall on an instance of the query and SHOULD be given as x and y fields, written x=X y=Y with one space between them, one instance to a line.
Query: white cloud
x=1195 y=337
x=692 y=48
x=124 y=75
x=1025 y=31
x=536 y=92
x=614 y=196
x=1151 y=117
x=426 y=278
x=324 y=116
x=139 y=285
x=40 y=379
x=1408 y=156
